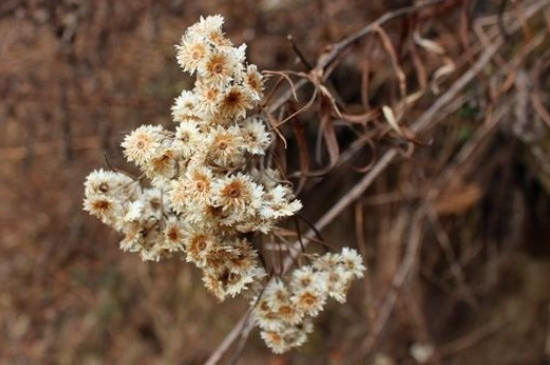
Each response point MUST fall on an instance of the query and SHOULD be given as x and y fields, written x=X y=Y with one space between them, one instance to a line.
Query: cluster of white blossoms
x=207 y=192
x=284 y=310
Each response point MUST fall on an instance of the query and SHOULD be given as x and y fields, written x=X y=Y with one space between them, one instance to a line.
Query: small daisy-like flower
x=309 y=301
x=275 y=341
x=279 y=296
x=208 y=217
x=352 y=262
x=255 y=137
x=141 y=144
x=174 y=235
x=238 y=196
x=205 y=26
x=276 y=292
x=246 y=257
x=225 y=148
x=132 y=237
x=235 y=101
x=187 y=139
x=213 y=285
x=219 y=257
x=101 y=182
x=224 y=282
x=192 y=52
x=199 y=181
x=154 y=203
x=198 y=246
x=209 y=96
x=253 y=79
x=276 y=205
x=326 y=262
x=135 y=211
x=264 y=315
x=178 y=195
x=107 y=209
x=163 y=164
x=338 y=281
x=236 y=282
x=289 y=313
x=306 y=277
x=219 y=67
x=296 y=335
x=186 y=107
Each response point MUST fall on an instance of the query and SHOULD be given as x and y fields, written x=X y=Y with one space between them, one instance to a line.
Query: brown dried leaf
x=459 y=199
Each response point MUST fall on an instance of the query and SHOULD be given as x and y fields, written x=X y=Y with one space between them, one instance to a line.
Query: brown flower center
x=234 y=192
x=309 y=299
x=217 y=68
x=104 y=187
x=173 y=234
x=222 y=145
x=102 y=205
x=233 y=98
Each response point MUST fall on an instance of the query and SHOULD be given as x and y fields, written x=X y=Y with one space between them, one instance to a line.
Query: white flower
x=276 y=205
x=253 y=79
x=101 y=182
x=205 y=26
x=275 y=341
x=135 y=211
x=238 y=196
x=141 y=144
x=110 y=211
x=174 y=235
x=132 y=237
x=220 y=67
x=352 y=262
x=309 y=300
x=187 y=139
x=255 y=137
x=226 y=147
x=338 y=281
x=235 y=101
x=307 y=277
x=199 y=180
x=209 y=96
x=186 y=107
x=192 y=52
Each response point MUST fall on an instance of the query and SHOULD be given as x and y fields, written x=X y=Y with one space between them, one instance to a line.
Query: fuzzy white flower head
x=109 y=183
x=352 y=262
x=192 y=52
x=253 y=79
x=220 y=67
x=108 y=210
x=238 y=196
x=141 y=144
x=186 y=107
x=255 y=137
x=187 y=139
x=206 y=27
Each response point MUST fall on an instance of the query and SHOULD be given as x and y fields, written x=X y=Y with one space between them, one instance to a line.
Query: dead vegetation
x=416 y=130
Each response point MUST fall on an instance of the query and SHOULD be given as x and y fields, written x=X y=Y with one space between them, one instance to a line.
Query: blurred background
x=455 y=232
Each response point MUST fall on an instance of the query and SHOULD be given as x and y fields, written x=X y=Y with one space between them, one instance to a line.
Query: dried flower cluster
x=208 y=192
x=284 y=311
